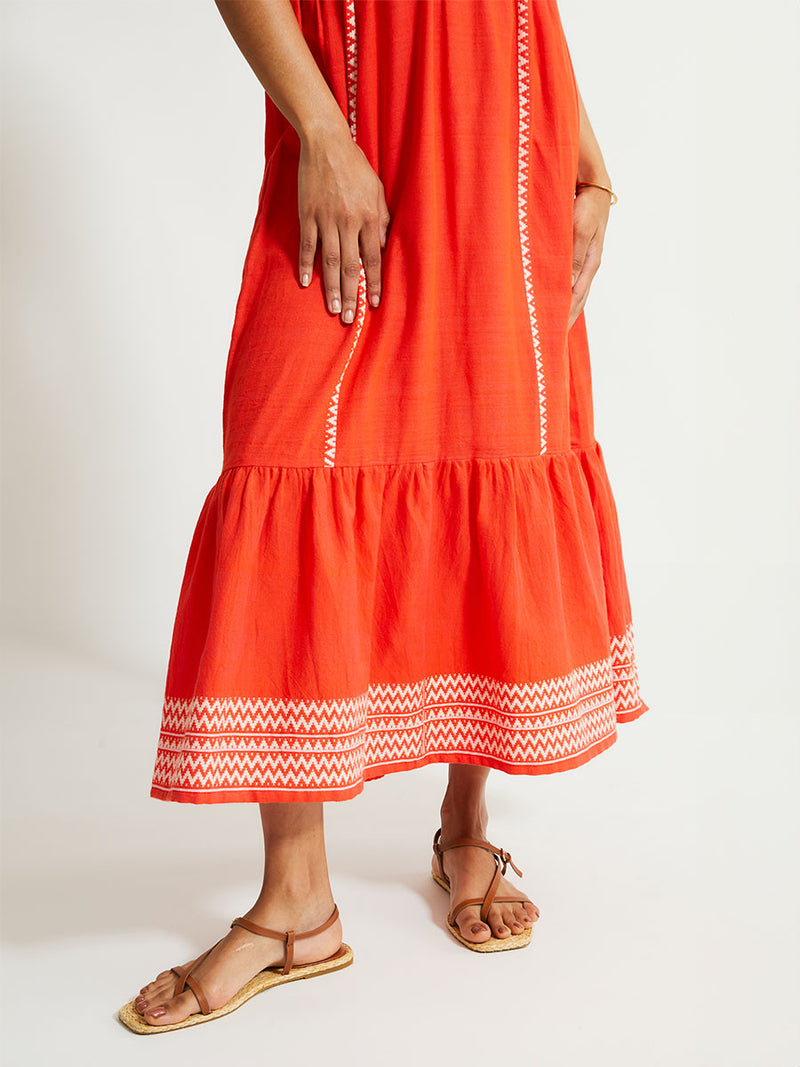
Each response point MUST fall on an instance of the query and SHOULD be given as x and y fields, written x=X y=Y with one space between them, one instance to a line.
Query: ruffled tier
x=336 y=624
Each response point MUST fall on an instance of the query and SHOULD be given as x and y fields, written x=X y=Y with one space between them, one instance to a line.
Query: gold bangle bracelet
x=614 y=196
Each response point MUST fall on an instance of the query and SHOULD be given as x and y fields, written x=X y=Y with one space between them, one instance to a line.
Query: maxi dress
x=411 y=554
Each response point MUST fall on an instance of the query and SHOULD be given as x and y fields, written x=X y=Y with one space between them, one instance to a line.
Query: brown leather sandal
x=270 y=976
x=502 y=859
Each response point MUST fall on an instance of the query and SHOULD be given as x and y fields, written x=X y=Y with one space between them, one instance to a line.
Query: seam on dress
x=351 y=59
x=417 y=462
x=523 y=169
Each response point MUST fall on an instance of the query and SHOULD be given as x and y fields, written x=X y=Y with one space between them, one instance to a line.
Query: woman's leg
x=295 y=894
x=464 y=814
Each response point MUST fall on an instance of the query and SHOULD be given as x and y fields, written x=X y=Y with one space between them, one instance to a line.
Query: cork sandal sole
x=266 y=979
x=271 y=976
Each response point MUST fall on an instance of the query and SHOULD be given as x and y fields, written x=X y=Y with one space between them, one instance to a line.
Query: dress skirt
x=411 y=554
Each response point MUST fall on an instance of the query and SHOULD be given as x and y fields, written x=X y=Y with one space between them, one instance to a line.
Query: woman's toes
x=154 y=1013
x=174 y=1010
x=472 y=928
x=522 y=917
x=507 y=917
x=499 y=928
x=158 y=982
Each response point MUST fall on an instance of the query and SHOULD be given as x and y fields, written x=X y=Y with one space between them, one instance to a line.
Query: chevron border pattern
x=262 y=748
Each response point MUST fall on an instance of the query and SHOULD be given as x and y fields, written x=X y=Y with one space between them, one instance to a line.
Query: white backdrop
x=132 y=160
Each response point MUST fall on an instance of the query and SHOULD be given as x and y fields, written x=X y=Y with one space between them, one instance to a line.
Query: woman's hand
x=341 y=202
x=590 y=218
x=340 y=197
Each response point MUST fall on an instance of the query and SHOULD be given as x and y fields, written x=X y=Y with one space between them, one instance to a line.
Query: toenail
x=158 y=1012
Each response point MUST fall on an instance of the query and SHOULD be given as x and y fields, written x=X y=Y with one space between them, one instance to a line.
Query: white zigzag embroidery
x=523 y=166
x=211 y=744
x=332 y=417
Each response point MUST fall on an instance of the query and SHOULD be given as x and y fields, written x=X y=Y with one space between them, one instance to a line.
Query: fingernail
x=305 y=280
x=374 y=300
x=348 y=315
x=335 y=305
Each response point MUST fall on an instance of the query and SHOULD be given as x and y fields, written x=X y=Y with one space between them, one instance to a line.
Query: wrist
x=594 y=179
x=319 y=130
x=581 y=187
x=592 y=172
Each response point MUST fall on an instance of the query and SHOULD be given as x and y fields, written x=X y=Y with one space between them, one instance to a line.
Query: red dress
x=411 y=554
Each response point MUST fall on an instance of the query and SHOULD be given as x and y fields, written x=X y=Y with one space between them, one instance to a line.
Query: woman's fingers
x=342 y=206
x=580 y=290
x=384 y=218
x=308 y=249
x=331 y=268
x=370 y=244
x=580 y=242
x=343 y=252
x=350 y=270
x=590 y=217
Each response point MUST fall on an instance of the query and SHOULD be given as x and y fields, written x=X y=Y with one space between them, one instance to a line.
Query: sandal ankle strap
x=287 y=936
x=503 y=857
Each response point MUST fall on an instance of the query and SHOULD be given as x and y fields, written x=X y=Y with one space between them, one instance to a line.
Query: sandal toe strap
x=197 y=989
x=460 y=907
x=484 y=914
x=187 y=979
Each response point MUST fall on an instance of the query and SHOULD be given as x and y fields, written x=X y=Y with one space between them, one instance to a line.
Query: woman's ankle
x=463 y=817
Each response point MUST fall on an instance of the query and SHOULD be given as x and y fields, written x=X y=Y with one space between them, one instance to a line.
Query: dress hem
x=377 y=771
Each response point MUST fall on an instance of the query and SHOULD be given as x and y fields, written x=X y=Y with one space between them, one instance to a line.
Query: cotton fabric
x=411 y=553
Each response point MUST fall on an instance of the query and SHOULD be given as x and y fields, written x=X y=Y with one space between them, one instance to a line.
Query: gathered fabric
x=412 y=551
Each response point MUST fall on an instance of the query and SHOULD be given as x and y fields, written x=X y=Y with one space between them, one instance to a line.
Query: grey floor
x=665 y=871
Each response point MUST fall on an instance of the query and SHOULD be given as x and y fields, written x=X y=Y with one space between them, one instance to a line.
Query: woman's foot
x=471 y=869
x=295 y=895
x=240 y=955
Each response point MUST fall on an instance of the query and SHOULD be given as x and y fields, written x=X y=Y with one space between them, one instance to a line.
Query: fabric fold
x=339 y=623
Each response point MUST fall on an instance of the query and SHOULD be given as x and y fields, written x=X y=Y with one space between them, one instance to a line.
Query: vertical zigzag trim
x=331 y=420
x=523 y=169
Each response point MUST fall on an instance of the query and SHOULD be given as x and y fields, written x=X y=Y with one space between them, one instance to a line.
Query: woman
x=411 y=554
